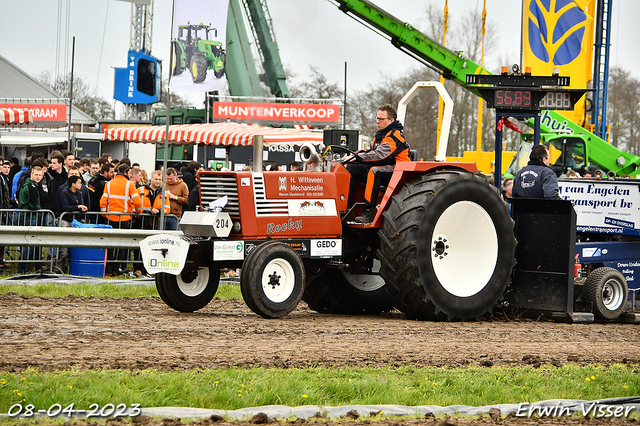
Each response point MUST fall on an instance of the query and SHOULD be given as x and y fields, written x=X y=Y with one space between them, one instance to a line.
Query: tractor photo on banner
x=559 y=34
x=199 y=45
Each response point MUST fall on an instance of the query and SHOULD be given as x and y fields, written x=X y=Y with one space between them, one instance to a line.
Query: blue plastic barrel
x=87 y=262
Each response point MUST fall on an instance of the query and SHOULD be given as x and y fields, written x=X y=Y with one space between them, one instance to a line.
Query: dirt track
x=59 y=333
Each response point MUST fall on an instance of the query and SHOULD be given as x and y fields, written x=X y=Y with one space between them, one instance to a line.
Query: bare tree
x=85 y=97
x=623 y=112
x=318 y=87
x=177 y=101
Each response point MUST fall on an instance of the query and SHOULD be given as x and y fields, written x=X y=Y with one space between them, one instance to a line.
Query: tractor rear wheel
x=339 y=292
x=608 y=290
x=447 y=246
x=188 y=293
x=272 y=280
x=199 y=65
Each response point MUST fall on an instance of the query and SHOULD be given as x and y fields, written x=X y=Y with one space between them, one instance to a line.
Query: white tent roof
x=225 y=134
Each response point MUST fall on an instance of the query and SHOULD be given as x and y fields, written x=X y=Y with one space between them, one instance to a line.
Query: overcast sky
x=308 y=32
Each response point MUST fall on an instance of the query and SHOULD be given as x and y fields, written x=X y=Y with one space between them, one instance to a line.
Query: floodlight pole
x=73 y=50
x=167 y=103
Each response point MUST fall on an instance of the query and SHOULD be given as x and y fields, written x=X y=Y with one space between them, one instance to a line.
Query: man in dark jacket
x=536 y=179
x=84 y=190
x=72 y=199
x=6 y=184
x=57 y=178
x=14 y=168
x=378 y=163
x=189 y=175
x=96 y=186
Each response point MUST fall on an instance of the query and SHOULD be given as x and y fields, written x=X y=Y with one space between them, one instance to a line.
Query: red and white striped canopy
x=225 y=134
x=15 y=116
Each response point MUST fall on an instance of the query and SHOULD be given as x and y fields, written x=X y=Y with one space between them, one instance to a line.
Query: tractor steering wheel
x=355 y=158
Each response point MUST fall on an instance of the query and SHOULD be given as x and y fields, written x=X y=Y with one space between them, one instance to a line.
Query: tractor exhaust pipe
x=308 y=155
x=258 y=143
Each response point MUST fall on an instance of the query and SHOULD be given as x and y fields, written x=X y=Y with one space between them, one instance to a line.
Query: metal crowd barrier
x=33 y=237
x=28 y=256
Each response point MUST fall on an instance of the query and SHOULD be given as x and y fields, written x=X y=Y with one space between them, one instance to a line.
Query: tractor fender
x=405 y=171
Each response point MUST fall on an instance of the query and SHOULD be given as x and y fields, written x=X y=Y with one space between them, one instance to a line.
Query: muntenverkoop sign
x=607 y=207
x=277 y=113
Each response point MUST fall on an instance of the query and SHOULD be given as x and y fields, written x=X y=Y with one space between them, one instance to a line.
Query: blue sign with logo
x=141 y=81
x=542 y=32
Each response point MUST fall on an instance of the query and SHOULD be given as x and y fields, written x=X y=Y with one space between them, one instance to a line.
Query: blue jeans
x=30 y=253
x=171 y=223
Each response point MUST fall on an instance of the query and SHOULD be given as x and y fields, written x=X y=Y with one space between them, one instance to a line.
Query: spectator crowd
x=59 y=190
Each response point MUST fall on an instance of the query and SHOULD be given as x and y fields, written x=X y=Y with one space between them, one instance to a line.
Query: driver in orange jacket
x=378 y=163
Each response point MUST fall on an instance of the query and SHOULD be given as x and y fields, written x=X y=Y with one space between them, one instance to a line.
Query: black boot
x=366 y=216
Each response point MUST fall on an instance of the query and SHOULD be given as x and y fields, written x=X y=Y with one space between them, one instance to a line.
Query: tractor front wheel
x=272 y=280
x=198 y=68
x=220 y=64
x=188 y=292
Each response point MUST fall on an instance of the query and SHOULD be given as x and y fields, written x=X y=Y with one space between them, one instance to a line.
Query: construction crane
x=601 y=68
x=140 y=83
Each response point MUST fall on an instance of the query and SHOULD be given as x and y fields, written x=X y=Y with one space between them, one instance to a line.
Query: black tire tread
x=201 y=68
x=177 y=66
x=251 y=287
x=399 y=237
x=592 y=292
x=332 y=293
x=170 y=293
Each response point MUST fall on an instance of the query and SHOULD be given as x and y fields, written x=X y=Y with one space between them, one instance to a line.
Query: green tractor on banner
x=197 y=53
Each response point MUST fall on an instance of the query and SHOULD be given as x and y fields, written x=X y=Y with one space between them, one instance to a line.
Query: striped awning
x=224 y=134
x=15 y=116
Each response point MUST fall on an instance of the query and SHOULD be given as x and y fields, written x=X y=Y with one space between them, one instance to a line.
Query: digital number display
x=556 y=100
x=513 y=99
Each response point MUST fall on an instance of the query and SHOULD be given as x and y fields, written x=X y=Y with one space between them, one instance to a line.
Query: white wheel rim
x=464 y=249
x=278 y=280
x=612 y=294
x=366 y=282
x=197 y=286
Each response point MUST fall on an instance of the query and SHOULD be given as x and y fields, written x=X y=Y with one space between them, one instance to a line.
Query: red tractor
x=441 y=245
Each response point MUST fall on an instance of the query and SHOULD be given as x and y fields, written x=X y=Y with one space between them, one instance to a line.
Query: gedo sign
x=277 y=113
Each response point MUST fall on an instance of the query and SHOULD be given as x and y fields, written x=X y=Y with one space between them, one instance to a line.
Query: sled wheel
x=447 y=246
x=339 y=292
x=607 y=289
x=199 y=67
x=186 y=293
x=177 y=59
x=272 y=280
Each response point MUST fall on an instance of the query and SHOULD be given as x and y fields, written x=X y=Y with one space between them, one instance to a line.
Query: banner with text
x=559 y=34
x=277 y=113
x=199 y=45
x=606 y=207
x=44 y=114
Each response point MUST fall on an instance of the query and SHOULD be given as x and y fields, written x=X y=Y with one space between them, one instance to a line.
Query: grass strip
x=225 y=291
x=235 y=388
